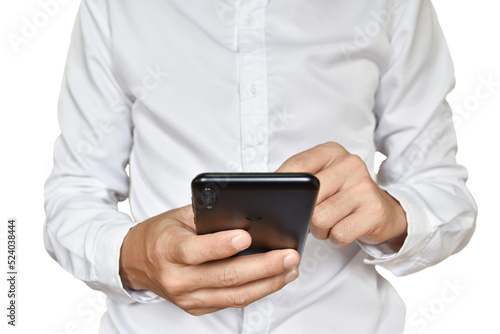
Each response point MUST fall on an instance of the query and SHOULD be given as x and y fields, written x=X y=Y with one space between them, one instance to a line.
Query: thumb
x=191 y=249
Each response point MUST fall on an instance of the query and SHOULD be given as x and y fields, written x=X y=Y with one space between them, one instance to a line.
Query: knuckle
x=278 y=283
x=331 y=150
x=196 y=312
x=229 y=276
x=331 y=144
x=153 y=254
x=340 y=237
x=174 y=287
x=377 y=239
x=155 y=250
x=366 y=187
x=164 y=246
x=297 y=162
x=378 y=209
x=193 y=312
x=184 y=254
x=181 y=252
x=377 y=231
x=187 y=304
x=320 y=233
x=320 y=217
x=325 y=212
x=239 y=299
x=354 y=162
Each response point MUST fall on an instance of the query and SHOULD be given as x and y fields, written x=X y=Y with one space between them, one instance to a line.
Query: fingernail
x=292 y=276
x=291 y=261
x=240 y=242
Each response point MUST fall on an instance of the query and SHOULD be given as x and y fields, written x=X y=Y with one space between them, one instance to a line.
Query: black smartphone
x=275 y=208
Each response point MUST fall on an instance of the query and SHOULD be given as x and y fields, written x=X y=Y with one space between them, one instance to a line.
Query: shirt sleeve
x=83 y=229
x=415 y=131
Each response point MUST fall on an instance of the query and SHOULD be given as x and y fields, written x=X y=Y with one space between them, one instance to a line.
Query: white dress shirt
x=179 y=87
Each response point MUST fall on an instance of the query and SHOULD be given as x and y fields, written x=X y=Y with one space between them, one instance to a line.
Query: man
x=175 y=88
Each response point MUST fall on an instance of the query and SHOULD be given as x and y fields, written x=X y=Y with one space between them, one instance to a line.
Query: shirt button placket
x=254 y=120
x=253 y=84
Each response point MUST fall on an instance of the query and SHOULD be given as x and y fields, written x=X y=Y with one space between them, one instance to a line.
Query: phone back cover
x=275 y=209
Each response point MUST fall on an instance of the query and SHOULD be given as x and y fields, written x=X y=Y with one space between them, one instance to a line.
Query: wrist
x=130 y=258
x=398 y=225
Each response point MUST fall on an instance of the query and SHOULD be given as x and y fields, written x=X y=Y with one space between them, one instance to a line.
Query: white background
x=51 y=301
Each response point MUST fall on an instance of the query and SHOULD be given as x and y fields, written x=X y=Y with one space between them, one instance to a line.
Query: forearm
x=84 y=232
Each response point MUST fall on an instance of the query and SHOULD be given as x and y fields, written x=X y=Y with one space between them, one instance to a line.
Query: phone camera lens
x=208 y=196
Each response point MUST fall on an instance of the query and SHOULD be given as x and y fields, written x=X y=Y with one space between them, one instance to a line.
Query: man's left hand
x=350 y=205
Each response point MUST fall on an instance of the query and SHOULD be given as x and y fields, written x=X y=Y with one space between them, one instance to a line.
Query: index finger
x=243 y=269
x=320 y=161
x=313 y=160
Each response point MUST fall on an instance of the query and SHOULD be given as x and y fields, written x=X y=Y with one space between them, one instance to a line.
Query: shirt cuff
x=107 y=264
x=406 y=260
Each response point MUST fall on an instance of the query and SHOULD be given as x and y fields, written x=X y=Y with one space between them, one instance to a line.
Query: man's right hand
x=163 y=254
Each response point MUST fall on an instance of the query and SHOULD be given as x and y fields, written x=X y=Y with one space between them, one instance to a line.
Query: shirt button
x=252 y=90
x=249 y=21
